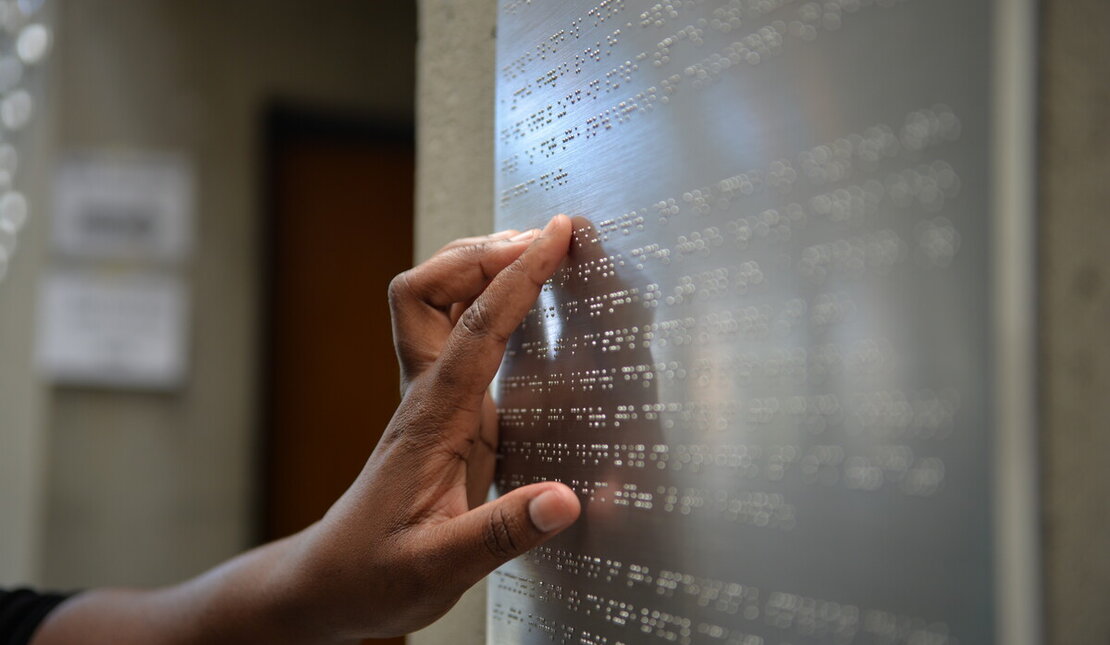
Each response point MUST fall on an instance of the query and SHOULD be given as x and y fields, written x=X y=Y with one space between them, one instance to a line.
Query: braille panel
x=765 y=368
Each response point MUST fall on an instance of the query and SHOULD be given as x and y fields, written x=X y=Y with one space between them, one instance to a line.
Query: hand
x=408 y=537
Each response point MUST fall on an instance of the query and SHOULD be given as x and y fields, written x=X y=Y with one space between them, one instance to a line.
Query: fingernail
x=526 y=235
x=549 y=512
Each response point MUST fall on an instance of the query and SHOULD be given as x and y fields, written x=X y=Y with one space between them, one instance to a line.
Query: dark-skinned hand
x=411 y=534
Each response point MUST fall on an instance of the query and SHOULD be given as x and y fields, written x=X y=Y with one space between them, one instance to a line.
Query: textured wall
x=454 y=108
x=148 y=488
x=454 y=194
x=1075 y=317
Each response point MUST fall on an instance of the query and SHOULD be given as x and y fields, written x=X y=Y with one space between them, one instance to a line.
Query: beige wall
x=455 y=197
x=148 y=488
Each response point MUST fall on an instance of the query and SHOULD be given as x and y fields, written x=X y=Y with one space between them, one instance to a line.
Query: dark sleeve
x=22 y=611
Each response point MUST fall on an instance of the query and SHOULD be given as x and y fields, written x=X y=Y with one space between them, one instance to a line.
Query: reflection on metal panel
x=766 y=367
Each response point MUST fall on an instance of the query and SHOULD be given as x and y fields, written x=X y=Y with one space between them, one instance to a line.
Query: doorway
x=339 y=222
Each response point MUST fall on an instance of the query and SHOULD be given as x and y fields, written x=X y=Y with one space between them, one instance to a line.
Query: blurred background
x=231 y=186
x=239 y=177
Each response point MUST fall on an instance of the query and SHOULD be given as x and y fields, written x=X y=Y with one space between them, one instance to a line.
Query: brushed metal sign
x=766 y=366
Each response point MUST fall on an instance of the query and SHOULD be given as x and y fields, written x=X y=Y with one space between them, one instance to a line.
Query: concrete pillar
x=454 y=194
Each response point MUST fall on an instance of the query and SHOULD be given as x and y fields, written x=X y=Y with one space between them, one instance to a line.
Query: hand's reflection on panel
x=591 y=417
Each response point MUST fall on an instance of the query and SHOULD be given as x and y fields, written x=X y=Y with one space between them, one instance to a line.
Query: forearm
x=256 y=597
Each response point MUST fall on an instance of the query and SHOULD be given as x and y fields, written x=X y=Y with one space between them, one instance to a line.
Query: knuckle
x=475 y=320
x=459 y=243
x=483 y=246
x=398 y=287
x=518 y=265
x=476 y=254
x=537 y=282
x=498 y=538
x=478 y=321
x=473 y=248
x=534 y=276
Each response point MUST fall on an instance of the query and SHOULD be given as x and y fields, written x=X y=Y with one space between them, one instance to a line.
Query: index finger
x=458 y=272
x=422 y=297
x=477 y=343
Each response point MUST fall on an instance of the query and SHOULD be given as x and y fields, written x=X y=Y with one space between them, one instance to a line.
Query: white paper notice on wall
x=124 y=206
x=126 y=330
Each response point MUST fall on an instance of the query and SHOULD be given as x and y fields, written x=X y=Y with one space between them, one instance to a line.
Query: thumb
x=480 y=540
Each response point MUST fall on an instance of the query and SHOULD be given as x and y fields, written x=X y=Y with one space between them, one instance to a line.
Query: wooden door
x=340 y=226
